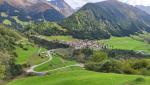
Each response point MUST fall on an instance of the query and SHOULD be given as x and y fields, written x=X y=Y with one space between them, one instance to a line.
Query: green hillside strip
x=19 y=21
x=8 y=68
x=62 y=38
x=127 y=43
x=82 y=77
x=7 y=22
x=27 y=52
x=56 y=62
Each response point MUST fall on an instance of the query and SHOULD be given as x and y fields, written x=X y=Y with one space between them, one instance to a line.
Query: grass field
x=39 y=59
x=83 y=77
x=23 y=55
x=127 y=43
x=27 y=52
x=56 y=62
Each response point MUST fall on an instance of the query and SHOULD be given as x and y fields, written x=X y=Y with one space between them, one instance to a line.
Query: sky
x=78 y=3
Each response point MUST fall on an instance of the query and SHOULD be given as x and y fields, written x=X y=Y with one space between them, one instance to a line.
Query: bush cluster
x=8 y=68
x=114 y=61
x=128 y=66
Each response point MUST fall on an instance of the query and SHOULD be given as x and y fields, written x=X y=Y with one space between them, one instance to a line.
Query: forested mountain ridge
x=103 y=19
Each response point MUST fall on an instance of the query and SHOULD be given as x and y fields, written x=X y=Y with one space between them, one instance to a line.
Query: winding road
x=31 y=69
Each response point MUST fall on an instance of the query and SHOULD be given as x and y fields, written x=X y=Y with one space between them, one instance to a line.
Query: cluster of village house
x=84 y=44
x=79 y=44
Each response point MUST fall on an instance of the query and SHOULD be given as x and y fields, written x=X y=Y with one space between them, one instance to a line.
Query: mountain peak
x=26 y=10
x=63 y=7
x=41 y=5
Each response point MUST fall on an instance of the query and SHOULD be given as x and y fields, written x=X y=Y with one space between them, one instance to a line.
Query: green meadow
x=127 y=43
x=23 y=55
x=7 y=22
x=83 y=77
x=27 y=52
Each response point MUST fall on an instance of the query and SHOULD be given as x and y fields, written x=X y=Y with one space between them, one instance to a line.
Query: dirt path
x=31 y=69
x=49 y=53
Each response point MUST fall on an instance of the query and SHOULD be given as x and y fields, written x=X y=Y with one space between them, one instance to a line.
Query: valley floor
x=127 y=43
x=80 y=76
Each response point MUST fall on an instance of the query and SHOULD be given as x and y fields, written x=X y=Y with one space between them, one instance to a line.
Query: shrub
x=140 y=79
x=92 y=66
x=111 y=66
x=141 y=64
x=98 y=56
x=25 y=49
x=137 y=81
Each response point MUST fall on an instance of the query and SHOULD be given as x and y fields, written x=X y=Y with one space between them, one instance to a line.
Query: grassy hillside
x=8 y=68
x=7 y=22
x=127 y=43
x=26 y=52
x=39 y=57
x=82 y=77
x=23 y=54
x=61 y=38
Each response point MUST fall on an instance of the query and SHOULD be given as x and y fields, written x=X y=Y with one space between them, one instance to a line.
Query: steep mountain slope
x=103 y=19
x=63 y=7
x=23 y=11
x=144 y=8
x=8 y=68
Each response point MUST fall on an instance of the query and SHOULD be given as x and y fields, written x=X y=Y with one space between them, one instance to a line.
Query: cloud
x=139 y=2
x=79 y=3
x=76 y=3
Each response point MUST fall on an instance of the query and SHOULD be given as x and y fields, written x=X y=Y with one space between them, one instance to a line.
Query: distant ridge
x=23 y=11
